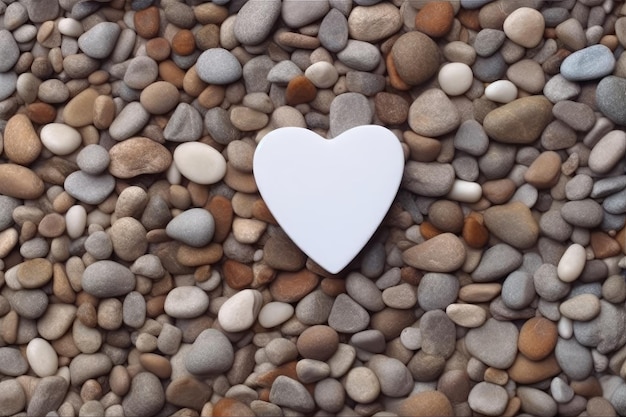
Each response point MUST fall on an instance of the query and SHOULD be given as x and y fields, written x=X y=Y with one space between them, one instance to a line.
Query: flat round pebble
x=218 y=66
x=455 y=78
x=186 y=302
x=199 y=162
x=194 y=227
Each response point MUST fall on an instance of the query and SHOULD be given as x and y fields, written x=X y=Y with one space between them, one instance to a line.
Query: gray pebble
x=428 y=179
x=364 y=292
x=311 y=370
x=573 y=358
x=185 y=124
x=90 y=189
x=80 y=65
x=579 y=116
x=494 y=343
x=8 y=83
x=106 y=279
x=437 y=290
x=7 y=205
x=28 y=304
x=583 y=213
x=40 y=11
x=15 y=16
x=287 y=392
x=394 y=377
x=606 y=186
x=554 y=226
x=146 y=396
x=297 y=14
x=99 y=41
x=283 y=72
x=48 y=395
x=37 y=247
x=148 y=265
x=10 y=51
x=255 y=73
x=588 y=63
x=211 y=353
x=518 y=290
x=558 y=88
x=218 y=125
x=547 y=283
x=488 y=399
x=536 y=402
x=218 y=66
x=497 y=161
x=314 y=308
x=370 y=340
x=157 y=213
x=438 y=334
x=141 y=72
x=365 y=83
x=466 y=167
x=329 y=395
x=99 y=245
x=12 y=363
x=280 y=351
x=471 y=138
x=346 y=316
x=609 y=95
x=618 y=399
x=373 y=260
x=360 y=55
x=554 y=15
x=525 y=194
x=489 y=69
x=605 y=331
x=255 y=21
x=93 y=159
x=347 y=111
x=488 y=41
x=134 y=310
x=129 y=121
x=496 y=262
x=389 y=278
x=13 y=396
x=333 y=32
x=194 y=227
x=579 y=187
x=615 y=203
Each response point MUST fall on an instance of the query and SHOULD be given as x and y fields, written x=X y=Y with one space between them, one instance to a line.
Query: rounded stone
x=186 y=302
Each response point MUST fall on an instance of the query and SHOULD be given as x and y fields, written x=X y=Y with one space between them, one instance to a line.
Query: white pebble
x=411 y=338
x=60 y=139
x=572 y=263
x=322 y=74
x=200 y=162
x=274 y=313
x=75 y=221
x=565 y=327
x=501 y=91
x=70 y=27
x=186 y=302
x=42 y=358
x=239 y=312
x=455 y=78
x=465 y=191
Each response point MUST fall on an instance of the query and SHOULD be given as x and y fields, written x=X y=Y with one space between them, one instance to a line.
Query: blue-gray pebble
x=588 y=63
x=194 y=227
x=218 y=66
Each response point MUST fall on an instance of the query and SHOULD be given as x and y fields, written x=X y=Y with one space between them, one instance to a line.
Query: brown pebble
x=9 y=327
x=230 y=407
x=428 y=230
x=526 y=371
x=603 y=245
x=170 y=72
x=41 y=113
x=333 y=286
x=212 y=96
x=266 y=379
x=240 y=181
x=446 y=216
x=297 y=40
x=207 y=37
x=79 y=111
x=158 y=49
x=391 y=108
x=188 y=391
x=137 y=156
x=423 y=404
x=210 y=13
x=262 y=212
x=290 y=287
x=300 y=90
x=537 y=338
x=588 y=387
x=475 y=233
x=52 y=225
x=222 y=211
x=34 y=273
x=281 y=253
x=21 y=143
x=237 y=275
x=421 y=148
x=147 y=22
x=103 y=112
x=435 y=18
x=469 y=18
x=318 y=342
x=183 y=43
x=394 y=78
x=61 y=287
x=87 y=315
x=545 y=170
x=156 y=364
x=391 y=321
x=499 y=191
x=189 y=256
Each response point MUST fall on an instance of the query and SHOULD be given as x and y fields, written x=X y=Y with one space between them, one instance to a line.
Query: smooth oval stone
x=359 y=55
x=455 y=78
x=218 y=66
x=60 y=139
x=609 y=95
x=8 y=84
x=185 y=125
x=105 y=279
x=255 y=21
x=19 y=182
x=145 y=397
x=442 y=253
x=588 y=64
x=211 y=353
x=572 y=263
x=609 y=150
x=433 y=114
x=501 y=91
x=200 y=162
x=138 y=156
x=93 y=159
x=520 y=122
x=42 y=358
x=274 y=313
x=194 y=227
x=186 y=302
x=240 y=311
x=90 y=189
x=129 y=121
x=99 y=41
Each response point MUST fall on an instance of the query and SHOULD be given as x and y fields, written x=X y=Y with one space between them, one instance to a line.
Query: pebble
x=501 y=91
x=218 y=66
x=607 y=152
x=107 y=278
x=582 y=307
x=194 y=227
x=240 y=311
x=211 y=353
x=513 y=223
x=442 y=253
x=47 y=395
x=536 y=402
x=347 y=111
x=255 y=21
x=494 y=343
x=146 y=395
x=433 y=114
x=185 y=124
x=199 y=162
x=525 y=27
x=526 y=116
x=12 y=397
x=386 y=18
x=288 y=392
x=186 y=302
x=488 y=399
x=415 y=57
x=437 y=291
x=346 y=316
x=608 y=91
x=129 y=121
x=589 y=63
x=426 y=403
x=99 y=41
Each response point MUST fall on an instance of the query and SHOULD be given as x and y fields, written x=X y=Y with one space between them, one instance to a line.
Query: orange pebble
x=300 y=90
x=184 y=43
x=435 y=18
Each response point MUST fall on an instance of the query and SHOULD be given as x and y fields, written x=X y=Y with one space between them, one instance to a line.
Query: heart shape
x=329 y=196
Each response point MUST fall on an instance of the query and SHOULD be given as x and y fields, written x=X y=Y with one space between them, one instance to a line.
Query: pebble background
x=141 y=273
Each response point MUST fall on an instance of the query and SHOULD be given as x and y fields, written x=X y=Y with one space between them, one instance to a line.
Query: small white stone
x=70 y=27
x=565 y=327
x=501 y=91
x=274 y=313
x=411 y=338
x=60 y=139
x=466 y=315
x=572 y=263
x=465 y=191
x=322 y=74
x=75 y=221
x=240 y=311
x=42 y=358
x=200 y=162
x=186 y=302
x=455 y=78
x=248 y=231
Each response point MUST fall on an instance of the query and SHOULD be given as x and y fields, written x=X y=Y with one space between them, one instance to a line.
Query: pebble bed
x=142 y=274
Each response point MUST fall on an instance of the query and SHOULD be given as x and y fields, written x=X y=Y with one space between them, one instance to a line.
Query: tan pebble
x=248 y=231
x=91 y=390
x=159 y=97
x=137 y=156
x=545 y=170
x=147 y=22
x=499 y=191
x=79 y=111
x=600 y=406
x=212 y=96
x=281 y=253
x=318 y=342
x=479 y=293
x=415 y=57
x=496 y=376
x=222 y=211
x=525 y=26
x=87 y=315
x=52 y=225
x=210 y=13
x=9 y=327
x=519 y=122
x=262 y=212
x=237 y=275
x=19 y=182
x=391 y=108
x=156 y=364
x=61 y=287
x=428 y=403
x=290 y=287
x=170 y=72
x=247 y=119
x=103 y=112
x=422 y=148
x=526 y=371
x=179 y=197
x=128 y=237
x=466 y=315
x=442 y=253
x=603 y=245
x=297 y=40
x=391 y=321
x=192 y=84
x=119 y=380
x=537 y=338
x=183 y=42
x=21 y=143
x=240 y=181
x=188 y=391
x=189 y=256
x=207 y=37
x=513 y=223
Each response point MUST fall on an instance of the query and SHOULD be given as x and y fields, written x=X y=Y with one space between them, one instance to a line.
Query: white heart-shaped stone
x=329 y=196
